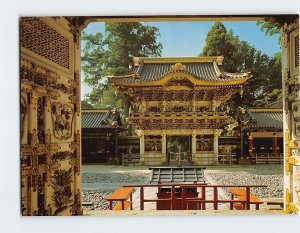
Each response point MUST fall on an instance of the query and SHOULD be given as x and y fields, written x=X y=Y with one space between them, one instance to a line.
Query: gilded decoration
x=180 y=83
x=296 y=116
x=290 y=207
x=61 y=183
x=33 y=75
x=286 y=30
x=62 y=155
x=45 y=41
x=23 y=111
x=178 y=67
x=297 y=183
x=62 y=118
x=292 y=88
x=40 y=119
x=297 y=51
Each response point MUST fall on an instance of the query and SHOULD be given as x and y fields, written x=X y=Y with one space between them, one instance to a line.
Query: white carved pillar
x=164 y=146
x=216 y=145
x=142 y=145
x=194 y=140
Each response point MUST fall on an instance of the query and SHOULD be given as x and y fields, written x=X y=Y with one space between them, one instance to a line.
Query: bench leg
x=203 y=207
x=231 y=203
x=257 y=206
x=123 y=207
x=131 y=201
x=110 y=205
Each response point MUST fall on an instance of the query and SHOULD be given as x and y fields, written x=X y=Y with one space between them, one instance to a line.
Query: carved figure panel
x=40 y=119
x=62 y=118
x=181 y=82
x=296 y=116
x=43 y=40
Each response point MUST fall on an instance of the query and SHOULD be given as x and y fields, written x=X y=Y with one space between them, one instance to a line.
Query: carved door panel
x=50 y=115
x=290 y=67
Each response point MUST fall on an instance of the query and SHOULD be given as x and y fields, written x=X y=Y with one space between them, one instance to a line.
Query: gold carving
x=290 y=207
x=62 y=118
x=178 y=67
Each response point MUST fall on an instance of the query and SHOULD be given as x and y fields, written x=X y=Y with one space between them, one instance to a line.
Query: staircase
x=177 y=175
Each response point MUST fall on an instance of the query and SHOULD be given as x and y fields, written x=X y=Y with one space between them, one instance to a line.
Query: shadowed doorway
x=178 y=150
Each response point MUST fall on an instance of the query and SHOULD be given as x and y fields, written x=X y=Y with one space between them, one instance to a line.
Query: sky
x=187 y=39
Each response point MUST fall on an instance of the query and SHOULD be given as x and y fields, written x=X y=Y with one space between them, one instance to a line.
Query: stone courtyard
x=99 y=181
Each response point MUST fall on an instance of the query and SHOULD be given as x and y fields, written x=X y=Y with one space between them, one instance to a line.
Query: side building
x=101 y=129
x=261 y=132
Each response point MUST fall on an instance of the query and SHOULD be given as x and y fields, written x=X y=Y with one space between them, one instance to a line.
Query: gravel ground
x=98 y=196
x=109 y=178
x=126 y=177
x=264 y=177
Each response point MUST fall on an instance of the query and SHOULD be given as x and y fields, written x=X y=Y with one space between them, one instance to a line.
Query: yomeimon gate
x=179 y=97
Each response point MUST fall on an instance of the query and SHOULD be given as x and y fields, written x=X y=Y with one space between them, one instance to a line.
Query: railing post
x=231 y=203
x=183 y=203
x=131 y=205
x=203 y=189
x=215 y=198
x=247 y=198
x=255 y=158
x=172 y=197
x=268 y=158
x=280 y=158
x=142 y=198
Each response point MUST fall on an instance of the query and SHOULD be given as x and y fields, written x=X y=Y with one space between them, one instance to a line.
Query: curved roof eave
x=120 y=80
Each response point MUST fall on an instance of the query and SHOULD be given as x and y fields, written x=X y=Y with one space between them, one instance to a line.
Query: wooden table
x=121 y=195
x=240 y=195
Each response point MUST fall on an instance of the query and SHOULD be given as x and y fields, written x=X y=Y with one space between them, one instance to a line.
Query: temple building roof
x=257 y=119
x=86 y=106
x=200 y=68
x=275 y=104
x=101 y=119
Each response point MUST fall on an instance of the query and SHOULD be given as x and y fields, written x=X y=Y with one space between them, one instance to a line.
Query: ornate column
x=194 y=140
x=140 y=133
x=250 y=146
x=164 y=146
x=274 y=146
x=216 y=145
x=32 y=129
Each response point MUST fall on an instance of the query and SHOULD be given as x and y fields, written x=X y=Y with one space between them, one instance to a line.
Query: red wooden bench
x=121 y=195
x=240 y=195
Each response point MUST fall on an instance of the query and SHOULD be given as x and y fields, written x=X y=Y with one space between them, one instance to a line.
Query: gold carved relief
x=62 y=118
x=178 y=67
x=290 y=207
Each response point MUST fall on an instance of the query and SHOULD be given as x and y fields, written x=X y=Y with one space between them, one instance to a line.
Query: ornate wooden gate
x=291 y=87
x=50 y=116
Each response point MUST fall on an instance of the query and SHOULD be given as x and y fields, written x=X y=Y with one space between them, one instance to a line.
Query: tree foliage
x=111 y=53
x=269 y=29
x=240 y=56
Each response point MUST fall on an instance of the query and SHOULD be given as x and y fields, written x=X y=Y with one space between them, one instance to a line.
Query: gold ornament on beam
x=178 y=67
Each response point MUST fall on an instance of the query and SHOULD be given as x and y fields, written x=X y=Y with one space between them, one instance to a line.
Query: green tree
x=269 y=29
x=219 y=42
x=104 y=55
x=240 y=56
